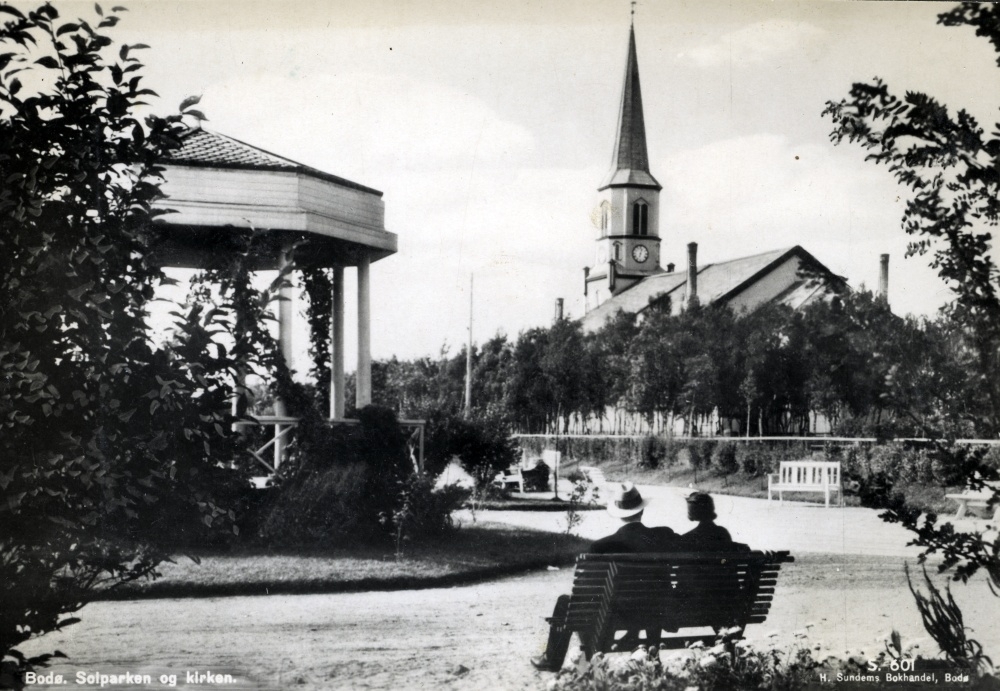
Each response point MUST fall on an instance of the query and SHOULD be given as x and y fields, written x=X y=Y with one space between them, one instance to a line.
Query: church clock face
x=640 y=253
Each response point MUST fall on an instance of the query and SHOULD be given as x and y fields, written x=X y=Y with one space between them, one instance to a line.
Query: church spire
x=630 y=163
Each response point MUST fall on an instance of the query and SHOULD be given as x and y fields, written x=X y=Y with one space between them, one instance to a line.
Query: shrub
x=724 y=458
x=422 y=510
x=653 y=451
x=741 y=665
x=700 y=452
x=340 y=481
x=483 y=446
x=748 y=458
x=111 y=442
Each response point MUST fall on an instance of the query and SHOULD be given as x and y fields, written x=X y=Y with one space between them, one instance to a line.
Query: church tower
x=628 y=214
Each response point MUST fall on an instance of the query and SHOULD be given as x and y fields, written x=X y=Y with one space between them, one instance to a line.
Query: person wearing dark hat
x=706 y=535
x=627 y=505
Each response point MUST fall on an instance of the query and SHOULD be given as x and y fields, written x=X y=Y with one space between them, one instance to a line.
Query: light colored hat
x=626 y=501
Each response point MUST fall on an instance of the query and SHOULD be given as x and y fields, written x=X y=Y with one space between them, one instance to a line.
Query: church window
x=640 y=218
x=618 y=251
x=605 y=218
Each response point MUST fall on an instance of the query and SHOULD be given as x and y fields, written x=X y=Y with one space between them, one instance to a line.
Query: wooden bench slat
x=668 y=592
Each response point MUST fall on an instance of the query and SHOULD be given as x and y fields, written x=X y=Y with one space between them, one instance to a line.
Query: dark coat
x=636 y=538
x=706 y=537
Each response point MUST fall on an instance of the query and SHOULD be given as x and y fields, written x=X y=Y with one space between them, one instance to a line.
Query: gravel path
x=481 y=636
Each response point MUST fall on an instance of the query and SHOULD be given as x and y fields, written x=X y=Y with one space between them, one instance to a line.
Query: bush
x=741 y=665
x=700 y=452
x=724 y=458
x=748 y=458
x=483 y=446
x=422 y=510
x=340 y=481
x=653 y=452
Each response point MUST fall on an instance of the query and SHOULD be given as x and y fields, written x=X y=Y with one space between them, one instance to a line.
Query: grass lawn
x=472 y=552
x=534 y=504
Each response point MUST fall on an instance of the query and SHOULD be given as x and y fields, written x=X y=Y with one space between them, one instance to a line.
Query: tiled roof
x=716 y=282
x=200 y=147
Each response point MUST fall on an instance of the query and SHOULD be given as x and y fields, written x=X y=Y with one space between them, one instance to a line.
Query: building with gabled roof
x=626 y=274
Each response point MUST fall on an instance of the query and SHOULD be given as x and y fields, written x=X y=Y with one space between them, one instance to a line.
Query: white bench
x=978 y=499
x=511 y=477
x=806 y=476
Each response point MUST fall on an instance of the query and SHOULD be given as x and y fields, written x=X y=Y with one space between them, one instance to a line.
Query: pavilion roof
x=201 y=147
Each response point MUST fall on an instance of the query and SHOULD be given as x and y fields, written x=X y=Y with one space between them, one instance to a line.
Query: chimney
x=559 y=309
x=670 y=268
x=883 y=279
x=692 y=283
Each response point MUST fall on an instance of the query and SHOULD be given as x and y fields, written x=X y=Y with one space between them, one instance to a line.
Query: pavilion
x=215 y=184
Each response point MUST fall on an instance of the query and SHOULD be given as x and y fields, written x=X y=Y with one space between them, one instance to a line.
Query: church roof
x=718 y=282
x=200 y=147
x=630 y=162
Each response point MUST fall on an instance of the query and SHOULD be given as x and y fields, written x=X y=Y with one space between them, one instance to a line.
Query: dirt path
x=474 y=637
x=481 y=636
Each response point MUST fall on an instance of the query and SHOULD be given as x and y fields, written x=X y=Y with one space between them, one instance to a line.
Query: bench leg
x=559 y=633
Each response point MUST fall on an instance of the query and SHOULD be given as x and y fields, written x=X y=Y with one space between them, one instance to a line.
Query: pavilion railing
x=272 y=453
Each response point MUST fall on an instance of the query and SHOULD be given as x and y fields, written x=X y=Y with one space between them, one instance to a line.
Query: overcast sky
x=489 y=126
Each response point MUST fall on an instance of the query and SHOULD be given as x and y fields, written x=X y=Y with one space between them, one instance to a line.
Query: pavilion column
x=337 y=346
x=285 y=345
x=364 y=373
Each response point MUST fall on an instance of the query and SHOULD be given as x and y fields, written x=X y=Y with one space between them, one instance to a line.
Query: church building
x=627 y=274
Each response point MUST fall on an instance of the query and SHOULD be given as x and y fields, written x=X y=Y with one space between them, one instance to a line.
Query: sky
x=489 y=125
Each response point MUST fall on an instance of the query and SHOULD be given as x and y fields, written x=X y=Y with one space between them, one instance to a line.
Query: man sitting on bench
x=627 y=505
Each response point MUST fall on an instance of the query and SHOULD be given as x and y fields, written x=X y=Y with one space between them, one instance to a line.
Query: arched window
x=640 y=218
x=605 y=218
x=618 y=251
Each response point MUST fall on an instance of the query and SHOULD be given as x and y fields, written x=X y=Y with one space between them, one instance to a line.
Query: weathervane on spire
x=633 y=13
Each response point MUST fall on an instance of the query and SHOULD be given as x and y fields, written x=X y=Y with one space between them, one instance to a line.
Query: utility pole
x=468 y=360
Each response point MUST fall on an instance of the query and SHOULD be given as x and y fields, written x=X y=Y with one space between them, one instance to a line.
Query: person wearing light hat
x=627 y=505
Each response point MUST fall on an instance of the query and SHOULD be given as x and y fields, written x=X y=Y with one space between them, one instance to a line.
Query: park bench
x=512 y=476
x=656 y=594
x=977 y=499
x=806 y=476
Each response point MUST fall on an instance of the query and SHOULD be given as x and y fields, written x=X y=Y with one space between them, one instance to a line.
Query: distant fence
x=654 y=451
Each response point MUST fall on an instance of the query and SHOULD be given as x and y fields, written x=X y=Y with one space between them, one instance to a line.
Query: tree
x=953 y=174
x=567 y=370
x=530 y=401
x=112 y=449
x=609 y=353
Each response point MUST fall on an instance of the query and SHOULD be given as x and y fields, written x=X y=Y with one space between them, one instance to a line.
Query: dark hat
x=700 y=506
x=626 y=501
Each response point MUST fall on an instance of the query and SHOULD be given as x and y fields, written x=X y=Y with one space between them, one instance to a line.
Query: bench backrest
x=989 y=487
x=672 y=590
x=809 y=473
